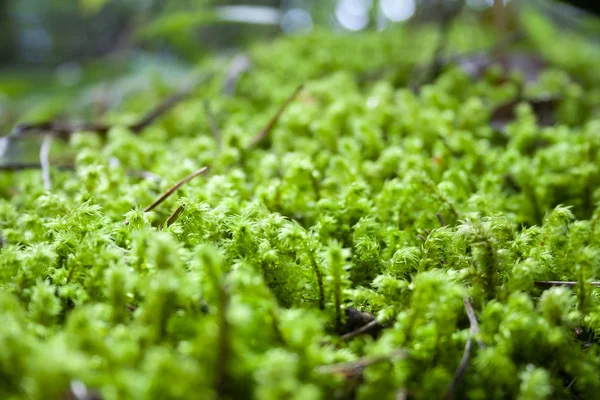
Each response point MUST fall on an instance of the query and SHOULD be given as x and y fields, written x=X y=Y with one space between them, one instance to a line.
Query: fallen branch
x=273 y=121
x=172 y=190
x=64 y=129
x=464 y=361
x=173 y=217
x=159 y=110
x=474 y=329
x=562 y=283
x=20 y=166
x=441 y=219
x=353 y=368
x=371 y=327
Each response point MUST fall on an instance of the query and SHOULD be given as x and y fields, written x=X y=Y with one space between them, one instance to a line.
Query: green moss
x=341 y=206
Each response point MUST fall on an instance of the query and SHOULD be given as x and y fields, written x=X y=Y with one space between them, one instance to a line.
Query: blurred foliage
x=366 y=194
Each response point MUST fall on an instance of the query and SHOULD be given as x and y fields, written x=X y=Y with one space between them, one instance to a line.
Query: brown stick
x=173 y=217
x=273 y=121
x=562 y=283
x=159 y=110
x=172 y=190
x=441 y=219
x=20 y=166
x=61 y=129
x=474 y=329
x=464 y=361
x=368 y=328
x=64 y=129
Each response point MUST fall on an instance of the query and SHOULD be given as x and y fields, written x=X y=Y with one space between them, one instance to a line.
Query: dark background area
x=48 y=33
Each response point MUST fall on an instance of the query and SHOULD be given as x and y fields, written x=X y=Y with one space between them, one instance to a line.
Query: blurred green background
x=52 y=49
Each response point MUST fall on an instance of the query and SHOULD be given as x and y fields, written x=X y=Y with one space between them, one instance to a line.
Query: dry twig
x=464 y=361
x=368 y=328
x=441 y=219
x=172 y=190
x=273 y=121
x=64 y=129
x=173 y=217
x=20 y=166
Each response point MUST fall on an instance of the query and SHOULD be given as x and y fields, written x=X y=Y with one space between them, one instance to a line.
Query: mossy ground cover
x=260 y=277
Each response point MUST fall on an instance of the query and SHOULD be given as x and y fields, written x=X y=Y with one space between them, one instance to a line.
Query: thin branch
x=45 y=162
x=64 y=129
x=172 y=190
x=462 y=367
x=159 y=110
x=368 y=328
x=173 y=217
x=464 y=361
x=20 y=166
x=59 y=128
x=441 y=219
x=212 y=120
x=562 y=283
x=474 y=329
x=273 y=121
x=356 y=367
